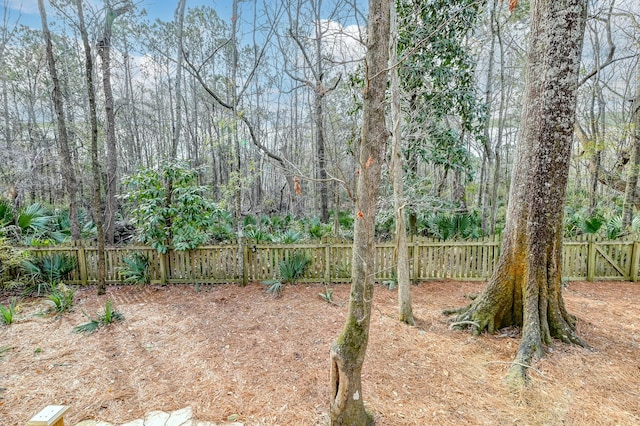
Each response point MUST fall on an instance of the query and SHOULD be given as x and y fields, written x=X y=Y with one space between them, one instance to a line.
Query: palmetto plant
x=294 y=267
x=317 y=229
x=61 y=297
x=34 y=219
x=106 y=317
x=591 y=225
x=448 y=225
x=136 y=269
x=50 y=268
x=7 y=313
x=47 y=270
x=257 y=235
x=291 y=269
x=290 y=236
x=614 y=227
x=6 y=213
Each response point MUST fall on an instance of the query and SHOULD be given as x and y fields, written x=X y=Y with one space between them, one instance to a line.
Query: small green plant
x=274 y=287
x=392 y=282
x=290 y=236
x=327 y=295
x=317 y=229
x=62 y=298
x=291 y=269
x=108 y=316
x=8 y=313
x=257 y=235
x=294 y=267
x=614 y=227
x=4 y=349
x=136 y=269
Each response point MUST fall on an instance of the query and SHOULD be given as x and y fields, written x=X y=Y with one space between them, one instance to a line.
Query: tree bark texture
x=95 y=162
x=632 y=180
x=177 y=125
x=104 y=49
x=525 y=289
x=405 y=310
x=348 y=351
x=63 y=140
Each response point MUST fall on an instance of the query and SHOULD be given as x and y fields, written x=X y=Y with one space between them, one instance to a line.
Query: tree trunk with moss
x=348 y=351
x=525 y=289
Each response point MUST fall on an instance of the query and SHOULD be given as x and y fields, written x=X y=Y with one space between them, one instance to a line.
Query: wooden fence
x=331 y=261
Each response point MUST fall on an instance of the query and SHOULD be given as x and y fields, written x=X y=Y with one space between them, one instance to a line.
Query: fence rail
x=331 y=261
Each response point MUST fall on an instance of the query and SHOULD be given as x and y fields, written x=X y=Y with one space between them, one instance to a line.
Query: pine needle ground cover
x=238 y=352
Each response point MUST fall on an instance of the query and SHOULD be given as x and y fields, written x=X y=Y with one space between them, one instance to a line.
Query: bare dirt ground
x=233 y=351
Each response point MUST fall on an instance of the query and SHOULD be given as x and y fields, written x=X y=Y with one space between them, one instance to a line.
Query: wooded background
x=267 y=106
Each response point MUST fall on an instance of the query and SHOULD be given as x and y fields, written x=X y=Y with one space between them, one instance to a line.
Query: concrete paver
x=182 y=417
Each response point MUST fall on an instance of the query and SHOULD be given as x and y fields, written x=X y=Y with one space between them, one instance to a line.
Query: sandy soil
x=239 y=352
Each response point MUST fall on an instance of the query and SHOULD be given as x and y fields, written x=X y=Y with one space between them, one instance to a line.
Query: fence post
x=635 y=261
x=82 y=263
x=591 y=261
x=327 y=263
x=415 y=260
x=245 y=263
x=163 y=268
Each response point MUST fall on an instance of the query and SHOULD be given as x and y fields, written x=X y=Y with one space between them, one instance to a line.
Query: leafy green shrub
x=108 y=316
x=249 y=220
x=222 y=227
x=7 y=313
x=169 y=207
x=136 y=269
x=10 y=262
x=317 y=229
x=345 y=219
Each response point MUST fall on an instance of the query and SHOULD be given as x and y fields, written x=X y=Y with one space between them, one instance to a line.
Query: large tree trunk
x=348 y=351
x=321 y=173
x=405 y=310
x=63 y=140
x=104 y=48
x=632 y=180
x=525 y=288
x=96 y=202
x=177 y=124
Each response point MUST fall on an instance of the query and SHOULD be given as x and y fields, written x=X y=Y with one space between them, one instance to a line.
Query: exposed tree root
x=460 y=324
x=456 y=311
x=546 y=319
